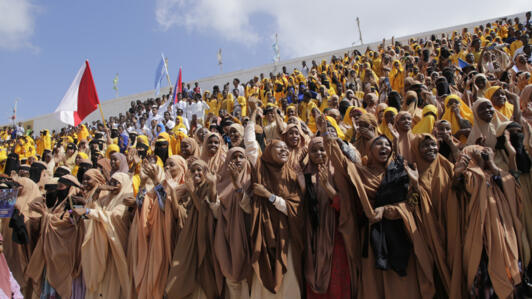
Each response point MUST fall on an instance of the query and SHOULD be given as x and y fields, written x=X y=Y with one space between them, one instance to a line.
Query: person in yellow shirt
x=241 y=100
x=227 y=102
x=497 y=96
x=397 y=77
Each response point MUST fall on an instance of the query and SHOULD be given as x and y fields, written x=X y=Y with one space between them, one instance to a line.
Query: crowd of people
x=400 y=172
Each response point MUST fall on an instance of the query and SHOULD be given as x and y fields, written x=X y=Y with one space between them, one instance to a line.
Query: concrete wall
x=115 y=106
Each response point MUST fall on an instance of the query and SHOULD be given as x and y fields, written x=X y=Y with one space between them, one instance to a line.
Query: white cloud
x=17 y=24
x=312 y=26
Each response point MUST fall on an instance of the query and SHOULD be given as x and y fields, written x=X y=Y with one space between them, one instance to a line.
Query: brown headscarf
x=56 y=249
x=493 y=225
x=404 y=142
x=231 y=244
x=361 y=142
x=105 y=165
x=180 y=161
x=18 y=255
x=297 y=153
x=124 y=167
x=96 y=175
x=194 y=264
x=213 y=162
x=103 y=256
x=194 y=145
x=319 y=241
x=269 y=235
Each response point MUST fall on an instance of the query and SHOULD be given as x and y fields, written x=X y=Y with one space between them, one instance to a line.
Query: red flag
x=80 y=99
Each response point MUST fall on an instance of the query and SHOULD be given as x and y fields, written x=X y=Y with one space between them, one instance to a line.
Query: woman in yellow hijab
x=333 y=123
x=351 y=113
x=387 y=118
x=426 y=125
x=397 y=77
x=458 y=114
x=497 y=96
x=83 y=133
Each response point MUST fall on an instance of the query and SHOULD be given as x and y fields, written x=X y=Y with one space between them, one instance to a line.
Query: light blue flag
x=159 y=74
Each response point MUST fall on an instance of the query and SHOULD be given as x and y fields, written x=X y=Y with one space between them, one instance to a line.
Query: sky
x=44 y=43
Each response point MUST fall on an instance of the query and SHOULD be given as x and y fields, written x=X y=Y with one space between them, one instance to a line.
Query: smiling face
x=317 y=153
x=88 y=182
x=404 y=122
x=428 y=149
x=280 y=152
x=293 y=137
x=485 y=111
x=381 y=150
x=213 y=144
x=196 y=171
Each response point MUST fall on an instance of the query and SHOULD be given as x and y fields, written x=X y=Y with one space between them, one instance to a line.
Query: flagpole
x=101 y=112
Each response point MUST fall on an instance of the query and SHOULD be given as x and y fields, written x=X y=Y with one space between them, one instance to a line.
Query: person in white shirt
x=198 y=108
x=237 y=85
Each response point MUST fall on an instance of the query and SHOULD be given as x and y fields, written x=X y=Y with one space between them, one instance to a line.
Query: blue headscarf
x=123 y=142
x=163 y=129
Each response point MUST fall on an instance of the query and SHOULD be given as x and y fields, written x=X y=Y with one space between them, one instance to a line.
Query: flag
x=115 y=82
x=220 y=56
x=276 y=53
x=159 y=74
x=178 y=86
x=14 y=116
x=80 y=99
x=462 y=64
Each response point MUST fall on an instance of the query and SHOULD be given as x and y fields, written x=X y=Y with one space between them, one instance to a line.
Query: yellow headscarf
x=111 y=148
x=449 y=115
x=333 y=123
x=383 y=127
x=426 y=125
x=83 y=133
x=347 y=116
x=507 y=109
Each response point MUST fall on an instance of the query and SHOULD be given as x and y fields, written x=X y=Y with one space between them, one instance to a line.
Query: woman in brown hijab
x=54 y=262
x=366 y=130
x=326 y=267
x=118 y=163
x=194 y=271
x=296 y=141
x=17 y=254
x=277 y=227
x=231 y=243
x=396 y=261
x=213 y=152
x=437 y=212
x=189 y=148
x=404 y=136
x=156 y=224
x=491 y=231
x=103 y=256
x=92 y=179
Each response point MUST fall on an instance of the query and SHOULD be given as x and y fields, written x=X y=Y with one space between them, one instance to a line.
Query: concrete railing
x=115 y=106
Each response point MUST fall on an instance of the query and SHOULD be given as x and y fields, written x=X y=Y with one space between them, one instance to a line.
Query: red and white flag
x=80 y=99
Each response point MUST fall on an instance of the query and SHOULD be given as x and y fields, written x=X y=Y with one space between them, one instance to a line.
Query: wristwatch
x=272 y=198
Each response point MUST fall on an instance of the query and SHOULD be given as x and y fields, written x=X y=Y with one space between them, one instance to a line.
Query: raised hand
x=393 y=131
x=321 y=123
x=462 y=164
